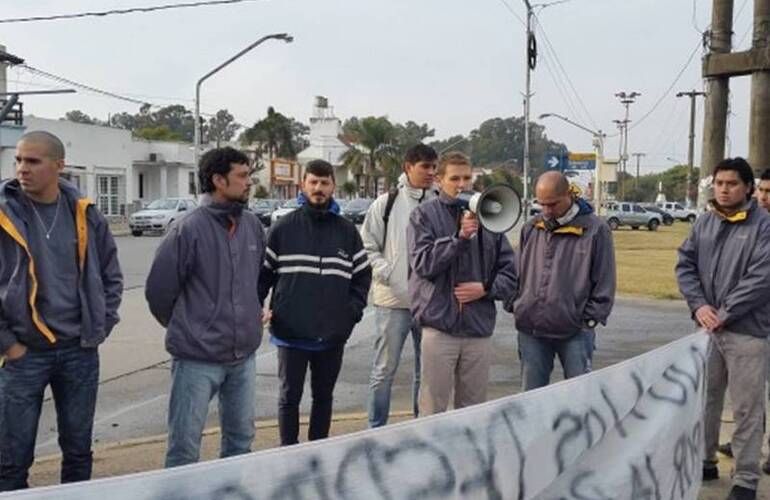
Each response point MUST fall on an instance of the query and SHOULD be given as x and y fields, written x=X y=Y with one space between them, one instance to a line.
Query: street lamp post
x=598 y=143
x=197 y=135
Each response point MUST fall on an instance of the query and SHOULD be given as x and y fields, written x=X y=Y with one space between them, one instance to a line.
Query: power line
x=132 y=10
x=668 y=90
x=510 y=9
x=549 y=46
x=82 y=86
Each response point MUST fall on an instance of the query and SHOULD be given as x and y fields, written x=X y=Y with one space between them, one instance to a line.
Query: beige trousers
x=736 y=363
x=453 y=363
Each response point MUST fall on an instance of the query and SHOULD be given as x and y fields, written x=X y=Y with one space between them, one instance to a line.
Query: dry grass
x=646 y=260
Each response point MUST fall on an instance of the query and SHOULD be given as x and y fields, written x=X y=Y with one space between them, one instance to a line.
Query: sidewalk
x=146 y=454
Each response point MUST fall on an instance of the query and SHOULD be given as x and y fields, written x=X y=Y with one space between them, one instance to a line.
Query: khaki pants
x=459 y=363
x=737 y=363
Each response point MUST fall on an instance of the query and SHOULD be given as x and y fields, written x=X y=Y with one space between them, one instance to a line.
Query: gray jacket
x=100 y=284
x=567 y=276
x=203 y=285
x=439 y=260
x=725 y=263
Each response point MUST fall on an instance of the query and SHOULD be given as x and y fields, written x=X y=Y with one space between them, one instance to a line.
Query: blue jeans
x=536 y=355
x=393 y=327
x=194 y=384
x=73 y=374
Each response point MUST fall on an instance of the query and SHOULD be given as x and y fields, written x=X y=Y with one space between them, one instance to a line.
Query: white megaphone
x=498 y=207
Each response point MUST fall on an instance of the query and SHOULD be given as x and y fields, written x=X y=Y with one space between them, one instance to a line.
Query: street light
x=197 y=139
x=598 y=143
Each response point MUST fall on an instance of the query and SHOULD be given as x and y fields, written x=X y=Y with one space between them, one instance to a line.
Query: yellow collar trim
x=574 y=230
x=736 y=217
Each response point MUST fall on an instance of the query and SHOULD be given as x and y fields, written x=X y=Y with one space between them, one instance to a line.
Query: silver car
x=624 y=213
x=159 y=214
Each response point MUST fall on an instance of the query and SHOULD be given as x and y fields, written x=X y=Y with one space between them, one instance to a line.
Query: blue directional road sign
x=554 y=162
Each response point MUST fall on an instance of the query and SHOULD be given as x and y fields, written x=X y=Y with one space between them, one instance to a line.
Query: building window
x=108 y=191
x=191 y=182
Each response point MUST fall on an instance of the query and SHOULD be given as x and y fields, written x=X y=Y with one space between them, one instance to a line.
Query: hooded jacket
x=390 y=264
x=202 y=284
x=439 y=260
x=100 y=281
x=566 y=275
x=725 y=263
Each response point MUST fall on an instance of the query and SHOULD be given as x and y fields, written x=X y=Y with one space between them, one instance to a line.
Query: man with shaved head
x=60 y=288
x=566 y=266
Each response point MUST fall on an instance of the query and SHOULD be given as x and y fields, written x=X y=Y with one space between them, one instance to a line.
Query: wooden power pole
x=719 y=65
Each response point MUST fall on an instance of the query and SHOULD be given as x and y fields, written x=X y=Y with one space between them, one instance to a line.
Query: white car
x=159 y=214
x=677 y=211
x=288 y=207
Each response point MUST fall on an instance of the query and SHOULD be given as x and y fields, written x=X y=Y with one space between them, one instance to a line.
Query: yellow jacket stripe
x=82 y=231
x=576 y=230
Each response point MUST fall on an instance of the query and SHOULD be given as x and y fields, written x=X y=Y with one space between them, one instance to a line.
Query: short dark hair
x=740 y=166
x=765 y=176
x=218 y=161
x=319 y=168
x=420 y=152
x=52 y=143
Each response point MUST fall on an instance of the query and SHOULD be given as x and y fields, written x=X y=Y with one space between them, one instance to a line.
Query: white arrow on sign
x=553 y=162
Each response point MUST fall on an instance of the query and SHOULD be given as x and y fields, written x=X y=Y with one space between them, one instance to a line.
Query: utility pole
x=691 y=145
x=531 y=61
x=639 y=156
x=759 y=124
x=626 y=99
x=717 y=94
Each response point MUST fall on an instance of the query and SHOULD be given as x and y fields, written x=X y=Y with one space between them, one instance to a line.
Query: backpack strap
x=386 y=215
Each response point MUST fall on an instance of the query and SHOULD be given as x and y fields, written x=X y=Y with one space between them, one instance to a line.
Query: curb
x=260 y=424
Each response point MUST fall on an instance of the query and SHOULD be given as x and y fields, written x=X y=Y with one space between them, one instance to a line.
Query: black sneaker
x=766 y=466
x=726 y=449
x=710 y=473
x=741 y=493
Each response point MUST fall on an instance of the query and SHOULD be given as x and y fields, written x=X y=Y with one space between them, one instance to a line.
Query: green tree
x=349 y=188
x=277 y=135
x=158 y=133
x=375 y=150
x=78 y=116
x=221 y=127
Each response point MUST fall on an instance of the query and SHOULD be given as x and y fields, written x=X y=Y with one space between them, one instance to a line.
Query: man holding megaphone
x=459 y=267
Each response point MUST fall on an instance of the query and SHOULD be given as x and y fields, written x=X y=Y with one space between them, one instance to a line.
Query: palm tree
x=274 y=135
x=374 y=138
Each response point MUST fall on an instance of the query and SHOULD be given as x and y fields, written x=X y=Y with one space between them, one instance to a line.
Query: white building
x=325 y=142
x=108 y=165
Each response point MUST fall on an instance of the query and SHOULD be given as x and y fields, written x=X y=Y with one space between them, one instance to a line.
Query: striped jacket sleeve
x=269 y=273
x=361 y=279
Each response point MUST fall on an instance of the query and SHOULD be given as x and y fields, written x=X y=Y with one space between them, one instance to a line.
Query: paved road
x=135 y=369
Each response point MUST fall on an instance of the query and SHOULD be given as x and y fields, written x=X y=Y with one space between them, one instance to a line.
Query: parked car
x=355 y=210
x=534 y=208
x=288 y=207
x=264 y=209
x=624 y=213
x=668 y=219
x=678 y=211
x=159 y=215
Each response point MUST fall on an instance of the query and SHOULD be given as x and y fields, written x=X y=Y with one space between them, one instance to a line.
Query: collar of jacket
x=741 y=215
x=317 y=213
x=447 y=200
x=419 y=194
x=224 y=213
x=569 y=229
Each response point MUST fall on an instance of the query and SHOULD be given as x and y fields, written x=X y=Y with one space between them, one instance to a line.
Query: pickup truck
x=624 y=213
x=677 y=211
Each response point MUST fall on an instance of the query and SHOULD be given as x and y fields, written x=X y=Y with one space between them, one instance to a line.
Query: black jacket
x=318 y=270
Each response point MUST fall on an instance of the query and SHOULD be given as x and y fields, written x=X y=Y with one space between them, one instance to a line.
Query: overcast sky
x=450 y=63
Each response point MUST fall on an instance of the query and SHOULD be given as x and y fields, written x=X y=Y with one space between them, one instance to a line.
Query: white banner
x=633 y=430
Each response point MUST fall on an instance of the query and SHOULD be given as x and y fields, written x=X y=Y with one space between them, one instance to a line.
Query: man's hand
x=468 y=292
x=15 y=352
x=469 y=225
x=708 y=318
x=267 y=316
